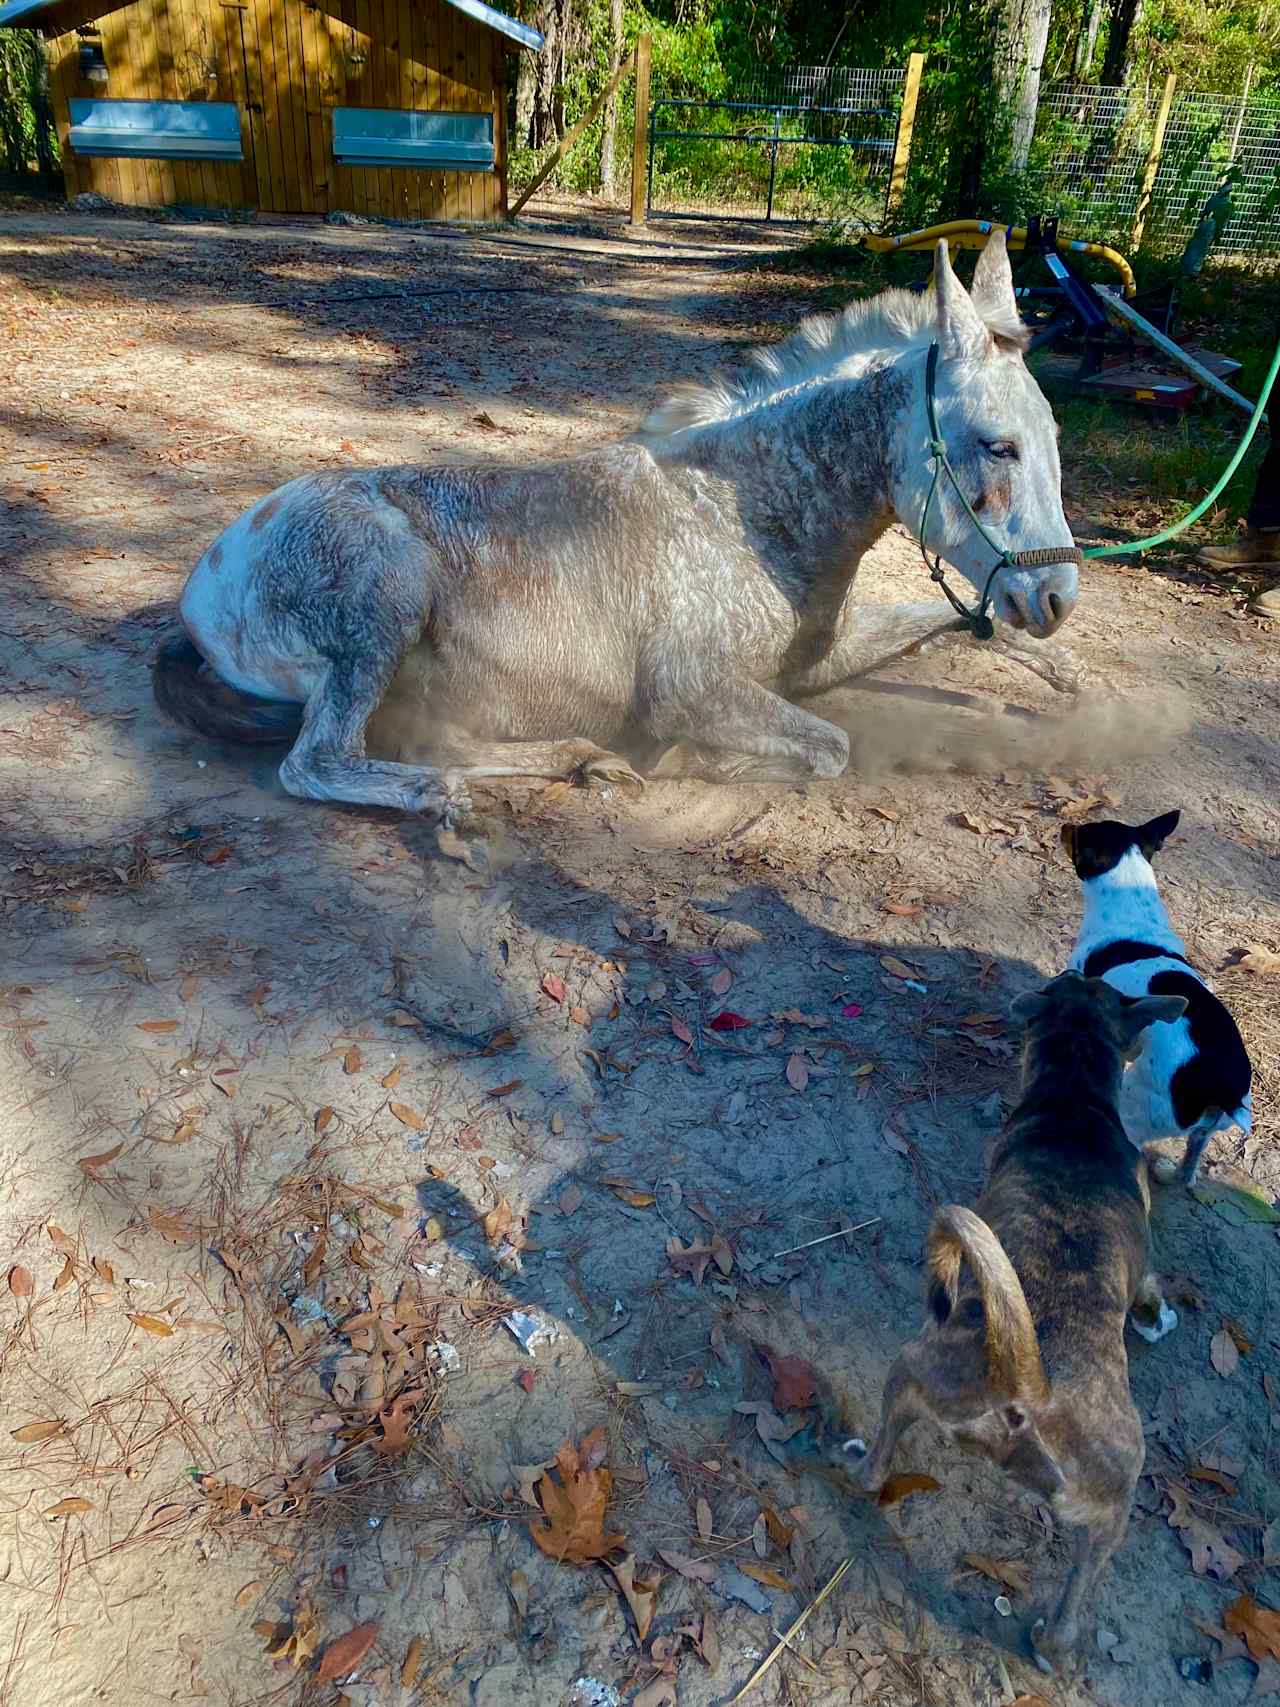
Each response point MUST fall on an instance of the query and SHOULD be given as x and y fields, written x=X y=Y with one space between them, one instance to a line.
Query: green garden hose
x=1211 y=496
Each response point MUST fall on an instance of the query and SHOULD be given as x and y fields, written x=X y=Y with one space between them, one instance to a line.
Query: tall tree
x=610 y=128
x=1087 y=40
x=1024 y=33
x=1116 y=63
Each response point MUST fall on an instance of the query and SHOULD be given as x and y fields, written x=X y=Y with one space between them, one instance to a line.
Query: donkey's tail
x=1013 y=1352
x=188 y=690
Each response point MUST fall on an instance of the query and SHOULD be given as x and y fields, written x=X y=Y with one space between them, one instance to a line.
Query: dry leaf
x=553 y=986
x=770 y=1578
x=249 y=1592
x=353 y=1060
x=797 y=1072
x=681 y=1030
x=697 y=1570
x=323 y=1117
x=722 y=983
x=640 y=1595
x=402 y=1016
x=702 y=1512
x=1223 y=1353
x=576 y=1505
x=660 y=1693
x=1254 y=958
x=408 y=1116
x=795 y=1382
x=153 y=1325
x=20 y=1282
x=30 y=1433
x=88 y=1162
x=67 y=1276
x=62 y=1241
x=158 y=1026
x=897 y=968
x=637 y=1199
x=497 y=1222
x=1005 y=1572
x=902 y=1487
x=390 y=1080
x=688 y=1259
x=69 y=1507
x=412 y=1664
x=343 y=1655
x=1211 y=1554
x=396 y=1422
x=570 y=1200
x=104 y=1271
x=505 y=1090
x=1259 y=1626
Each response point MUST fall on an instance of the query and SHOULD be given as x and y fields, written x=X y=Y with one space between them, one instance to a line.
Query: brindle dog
x=1023 y=1358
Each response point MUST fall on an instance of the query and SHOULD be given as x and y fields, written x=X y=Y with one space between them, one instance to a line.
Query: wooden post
x=570 y=137
x=1153 y=164
x=902 y=142
x=640 y=140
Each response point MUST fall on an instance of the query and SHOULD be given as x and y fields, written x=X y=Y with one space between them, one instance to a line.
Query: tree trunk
x=526 y=89
x=1087 y=40
x=1116 y=64
x=609 y=131
x=546 y=77
x=1024 y=35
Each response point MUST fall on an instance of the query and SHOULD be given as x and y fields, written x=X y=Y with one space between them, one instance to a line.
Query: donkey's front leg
x=741 y=732
x=873 y=636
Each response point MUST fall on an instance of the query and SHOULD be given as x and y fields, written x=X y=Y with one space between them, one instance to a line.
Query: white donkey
x=684 y=586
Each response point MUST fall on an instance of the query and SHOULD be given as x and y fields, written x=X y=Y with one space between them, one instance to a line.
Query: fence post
x=773 y=161
x=902 y=141
x=1153 y=164
x=640 y=137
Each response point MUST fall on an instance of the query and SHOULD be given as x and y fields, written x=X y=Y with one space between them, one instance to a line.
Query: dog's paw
x=1164 y=1324
x=1164 y=1170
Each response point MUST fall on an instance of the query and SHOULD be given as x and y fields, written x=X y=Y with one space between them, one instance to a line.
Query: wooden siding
x=286 y=64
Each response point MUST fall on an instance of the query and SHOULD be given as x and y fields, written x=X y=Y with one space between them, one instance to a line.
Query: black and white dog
x=1192 y=1078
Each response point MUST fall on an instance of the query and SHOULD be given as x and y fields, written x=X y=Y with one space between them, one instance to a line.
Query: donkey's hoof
x=1155 y=1331
x=608 y=770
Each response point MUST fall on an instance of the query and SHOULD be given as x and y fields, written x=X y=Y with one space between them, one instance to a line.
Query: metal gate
x=815 y=143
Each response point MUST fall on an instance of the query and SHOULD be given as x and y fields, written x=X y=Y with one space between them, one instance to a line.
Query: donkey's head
x=1002 y=443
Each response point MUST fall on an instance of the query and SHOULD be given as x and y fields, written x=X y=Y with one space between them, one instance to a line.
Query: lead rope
x=978 y=620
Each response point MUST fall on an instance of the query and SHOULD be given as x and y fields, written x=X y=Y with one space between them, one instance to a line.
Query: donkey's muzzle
x=1038 y=600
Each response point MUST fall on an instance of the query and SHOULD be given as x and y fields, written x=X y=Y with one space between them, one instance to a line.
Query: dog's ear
x=1141 y=1011
x=1028 y=1006
x=1069 y=841
x=1156 y=832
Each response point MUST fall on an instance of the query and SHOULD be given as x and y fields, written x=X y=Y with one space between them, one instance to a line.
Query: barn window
x=157 y=130
x=449 y=142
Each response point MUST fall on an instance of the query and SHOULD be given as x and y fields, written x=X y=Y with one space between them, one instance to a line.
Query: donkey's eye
x=1001 y=449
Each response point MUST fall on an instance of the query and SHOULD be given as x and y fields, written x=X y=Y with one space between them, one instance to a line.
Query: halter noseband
x=978 y=619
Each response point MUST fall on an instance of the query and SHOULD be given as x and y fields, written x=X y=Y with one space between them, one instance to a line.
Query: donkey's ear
x=992 y=293
x=960 y=328
x=1152 y=835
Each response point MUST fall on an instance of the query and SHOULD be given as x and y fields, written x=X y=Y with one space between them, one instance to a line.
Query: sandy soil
x=297 y=1112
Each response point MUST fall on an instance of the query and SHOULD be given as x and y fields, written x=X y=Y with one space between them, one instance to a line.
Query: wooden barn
x=393 y=108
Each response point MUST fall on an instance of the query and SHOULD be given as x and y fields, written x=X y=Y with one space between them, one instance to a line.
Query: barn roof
x=31 y=14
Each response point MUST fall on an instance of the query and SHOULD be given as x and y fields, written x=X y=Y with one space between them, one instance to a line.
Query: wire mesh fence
x=812 y=143
x=1092 y=144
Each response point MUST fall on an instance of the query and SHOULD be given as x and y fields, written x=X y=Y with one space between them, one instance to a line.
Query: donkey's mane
x=825 y=346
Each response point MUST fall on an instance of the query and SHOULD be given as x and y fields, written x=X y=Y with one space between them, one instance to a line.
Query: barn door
x=286 y=59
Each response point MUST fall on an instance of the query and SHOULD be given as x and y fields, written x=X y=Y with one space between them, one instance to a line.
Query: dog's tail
x=1013 y=1352
x=189 y=691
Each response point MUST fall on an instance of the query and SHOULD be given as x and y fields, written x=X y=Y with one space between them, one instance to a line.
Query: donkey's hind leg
x=575 y=760
x=327 y=760
x=742 y=732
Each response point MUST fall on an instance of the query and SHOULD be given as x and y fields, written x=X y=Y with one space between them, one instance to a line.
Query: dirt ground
x=298 y=1112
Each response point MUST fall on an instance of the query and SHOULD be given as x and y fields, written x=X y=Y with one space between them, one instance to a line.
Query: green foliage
x=28 y=142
